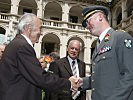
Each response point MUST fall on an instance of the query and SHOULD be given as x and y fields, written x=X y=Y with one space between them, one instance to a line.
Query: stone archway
x=53 y=11
x=2 y=35
x=129 y=4
x=50 y=43
x=5 y=6
x=75 y=14
x=27 y=6
x=131 y=33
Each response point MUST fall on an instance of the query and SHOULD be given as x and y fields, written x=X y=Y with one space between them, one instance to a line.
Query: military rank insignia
x=128 y=43
x=105 y=49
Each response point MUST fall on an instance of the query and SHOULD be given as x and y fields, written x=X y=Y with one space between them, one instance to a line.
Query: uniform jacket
x=62 y=69
x=112 y=68
x=21 y=75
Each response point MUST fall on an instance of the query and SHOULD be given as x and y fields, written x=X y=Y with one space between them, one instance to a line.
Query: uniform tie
x=75 y=94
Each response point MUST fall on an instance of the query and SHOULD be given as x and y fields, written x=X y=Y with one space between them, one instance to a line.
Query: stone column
x=87 y=49
x=87 y=53
x=14 y=6
x=114 y=21
x=63 y=45
x=65 y=14
x=124 y=11
x=37 y=47
x=40 y=9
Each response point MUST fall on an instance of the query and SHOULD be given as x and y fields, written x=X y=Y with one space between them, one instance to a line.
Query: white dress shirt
x=102 y=35
x=27 y=39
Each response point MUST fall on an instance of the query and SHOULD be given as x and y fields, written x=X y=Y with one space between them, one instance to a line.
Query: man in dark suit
x=63 y=68
x=21 y=75
x=112 y=61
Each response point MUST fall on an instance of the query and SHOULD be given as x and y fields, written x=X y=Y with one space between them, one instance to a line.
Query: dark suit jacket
x=112 y=68
x=62 y=69
x=21 y=75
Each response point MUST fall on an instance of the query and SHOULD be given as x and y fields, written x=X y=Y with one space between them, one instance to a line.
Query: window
x=25 y=10
x=54 y=18
x=74 y=19
x=47 y=48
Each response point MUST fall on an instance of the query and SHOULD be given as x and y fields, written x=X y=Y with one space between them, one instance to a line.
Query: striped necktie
x=74 y=69
x=75 y=94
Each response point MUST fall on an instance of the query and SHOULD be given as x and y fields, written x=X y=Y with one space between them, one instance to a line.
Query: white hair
x=26 y=19
x=72 y=41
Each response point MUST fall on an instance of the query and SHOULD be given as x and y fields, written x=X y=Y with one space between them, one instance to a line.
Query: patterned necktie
x=75 y=94
x=74 y=69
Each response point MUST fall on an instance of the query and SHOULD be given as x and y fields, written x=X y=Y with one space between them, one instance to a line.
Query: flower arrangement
x=47 y=59
x=107 y=37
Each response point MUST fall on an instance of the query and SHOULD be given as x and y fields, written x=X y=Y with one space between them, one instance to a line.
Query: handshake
x=76 y=82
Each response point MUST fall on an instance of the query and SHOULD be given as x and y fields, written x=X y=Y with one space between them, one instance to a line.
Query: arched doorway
x=27 y=6
x=2 y=35
x=5 y=6
x=75 y=14
x=50 y=43
x=53 y=11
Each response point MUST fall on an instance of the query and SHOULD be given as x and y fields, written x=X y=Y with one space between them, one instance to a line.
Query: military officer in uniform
x=112 y=61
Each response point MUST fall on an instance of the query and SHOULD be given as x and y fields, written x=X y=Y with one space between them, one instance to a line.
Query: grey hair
x=26 y=19
x=75 y=41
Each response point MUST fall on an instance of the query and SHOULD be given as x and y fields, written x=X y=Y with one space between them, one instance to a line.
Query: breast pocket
x=103 y=57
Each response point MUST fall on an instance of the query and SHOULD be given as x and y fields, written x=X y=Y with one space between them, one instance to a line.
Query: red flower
x=48 y=59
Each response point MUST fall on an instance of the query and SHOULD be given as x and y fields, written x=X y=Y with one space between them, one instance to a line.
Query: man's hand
x=75 y=82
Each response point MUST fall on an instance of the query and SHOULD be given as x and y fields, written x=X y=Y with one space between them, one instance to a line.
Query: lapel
x=101 y=45
x=80 y=67
x=21 y=37
x=67 y=66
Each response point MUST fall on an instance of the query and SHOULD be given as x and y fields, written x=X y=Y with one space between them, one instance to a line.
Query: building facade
x=62 y=22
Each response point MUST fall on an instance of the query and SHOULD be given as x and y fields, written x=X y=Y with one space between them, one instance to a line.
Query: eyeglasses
x=90 y=18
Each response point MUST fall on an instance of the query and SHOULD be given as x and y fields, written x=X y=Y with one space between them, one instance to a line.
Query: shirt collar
x=103 y=34
x=70 y=60
x=27 y=39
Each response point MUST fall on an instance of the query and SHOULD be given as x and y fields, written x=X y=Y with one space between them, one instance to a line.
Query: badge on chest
x=105 y=49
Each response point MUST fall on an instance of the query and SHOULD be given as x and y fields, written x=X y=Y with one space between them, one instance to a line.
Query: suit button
x=93 y=89
x=94 y=64
x=104 y=57
x=93 y=72
x=92 y=80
